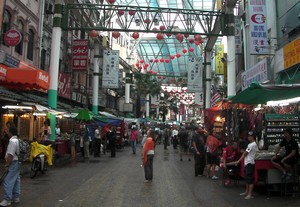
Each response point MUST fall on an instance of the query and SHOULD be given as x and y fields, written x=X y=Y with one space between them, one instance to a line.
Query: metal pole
x=147 y=106
x=208 y=79
x=54 y=62
x=96 y=77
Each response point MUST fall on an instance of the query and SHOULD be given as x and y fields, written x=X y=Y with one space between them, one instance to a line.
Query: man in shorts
x=286 y=163
x=249 y=163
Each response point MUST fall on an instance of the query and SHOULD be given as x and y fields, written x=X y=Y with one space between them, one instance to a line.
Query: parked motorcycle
x=38 y=164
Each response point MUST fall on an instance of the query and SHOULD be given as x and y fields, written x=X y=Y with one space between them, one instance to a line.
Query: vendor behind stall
x=285 y=164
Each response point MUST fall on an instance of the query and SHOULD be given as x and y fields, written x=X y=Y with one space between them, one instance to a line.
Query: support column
x=207 y=79
x=54 y=62
x=127 y=93
x=96 y=77
x=147 y=106
x=231 y=74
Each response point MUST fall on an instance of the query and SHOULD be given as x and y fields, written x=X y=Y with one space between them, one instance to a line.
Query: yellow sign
x=219 y=56
x=219 y=5
x=291 y=53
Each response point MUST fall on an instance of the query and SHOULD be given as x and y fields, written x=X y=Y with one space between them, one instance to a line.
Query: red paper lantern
x=154 y=29
x=191 y=49
x=159 y=77
x=135 y=35
x=150 y=71
x=167 y=60
x=151 y=60
x=197 y=43
x=169 y=34
x=131 y=12
x=140 y=67
x=137 y=64
x=93 y=34
x=179 y=37
x=186 y=35
x=154 y=72
x=147 y=21
x=142 y=61
x=146 y=65
x=164 y=77
x=121 y=12
x=173 y=79
x=178 y=55
x=191 y=40
x=115 y=35
x=198 y=37
x=159 y=36
x=111 y=1
x=172 y=57
x=156 y=60
x=184 y=51
x=162 y=27
x=162 y=60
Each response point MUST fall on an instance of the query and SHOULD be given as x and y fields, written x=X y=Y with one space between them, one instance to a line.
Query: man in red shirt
x=230 y=154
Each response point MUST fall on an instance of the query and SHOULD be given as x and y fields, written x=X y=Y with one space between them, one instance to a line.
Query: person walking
x=11 y=183
x=175 y=138
x=133 y=139
x=148 y=155
x=166 y=137
x=249 y=162
x=199 y=152
x=112 y=141
x=97 y=141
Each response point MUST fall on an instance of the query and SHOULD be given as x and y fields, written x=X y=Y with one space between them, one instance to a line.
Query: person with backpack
x=133 y=138
x=11 y=182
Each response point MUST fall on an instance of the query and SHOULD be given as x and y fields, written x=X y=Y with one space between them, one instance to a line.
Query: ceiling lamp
x=162 y=27
x=111 y=1
x=93 y=34
x=162 y=60
x=172 y=57
x=191 y=49
x=184 y=51
x=159 y=36
x=115 y=35
x=131 y=12
x=121 y=12
x=135 y=35
x=178 y=55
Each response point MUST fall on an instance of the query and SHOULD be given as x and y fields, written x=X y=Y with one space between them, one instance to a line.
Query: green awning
x=261 y=94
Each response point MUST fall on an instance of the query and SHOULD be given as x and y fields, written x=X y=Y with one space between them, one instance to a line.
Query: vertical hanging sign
x=194 y=75
x=258 y=27
x=110 y=77
x=80 y=54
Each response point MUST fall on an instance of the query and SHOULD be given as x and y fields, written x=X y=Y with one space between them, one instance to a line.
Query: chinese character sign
x=238 y=41
x=258 y=27
x=194 y=75
x=219 y=64
x=110 y=77
x=80 y=52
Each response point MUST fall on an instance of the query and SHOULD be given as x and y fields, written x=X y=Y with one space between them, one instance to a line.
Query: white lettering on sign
x=43 y=77
x=79 y=51
x=63 y=84
x=3 y=71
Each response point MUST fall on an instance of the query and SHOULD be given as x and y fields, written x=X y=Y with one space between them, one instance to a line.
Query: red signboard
x=80 y=51
x=12 y=37
x=64 y=85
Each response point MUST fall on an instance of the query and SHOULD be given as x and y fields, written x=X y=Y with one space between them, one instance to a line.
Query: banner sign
x=258 y=73
x=199 y=99
x=194 y=75
x=11 y=61
x=291 y=53
x=219 y=64
x=258 y=27
x=80 y=54
x=238 y=34
x=64 y=85
x=110 y=77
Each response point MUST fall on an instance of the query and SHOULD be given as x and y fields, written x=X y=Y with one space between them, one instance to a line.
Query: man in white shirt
x=11 y=183
x=249 y=163
x=97 y=142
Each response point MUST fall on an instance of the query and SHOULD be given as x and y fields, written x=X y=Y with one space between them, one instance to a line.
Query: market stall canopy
x=84 y=115
x=261 y=94
x=25 y=78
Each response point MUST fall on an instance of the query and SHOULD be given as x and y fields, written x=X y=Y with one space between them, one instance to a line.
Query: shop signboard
x=258 y=27
x=194 y=75
x=110 y=77
x=64 y=85
x=291 y=53
x=219 y=63
x=257 y=73
x=80 y=52
x=199 y=99
x=12 y=37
